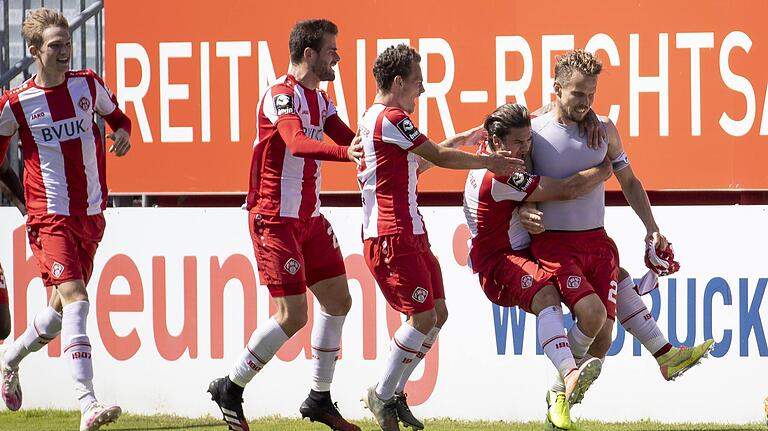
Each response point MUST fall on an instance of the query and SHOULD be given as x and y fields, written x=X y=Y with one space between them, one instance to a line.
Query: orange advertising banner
x=684 y=81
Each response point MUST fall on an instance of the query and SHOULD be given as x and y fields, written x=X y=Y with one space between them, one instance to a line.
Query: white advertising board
x=170 y=288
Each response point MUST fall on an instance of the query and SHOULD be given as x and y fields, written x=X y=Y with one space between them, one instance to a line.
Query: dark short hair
x=309 y=34
x=505 y=117
x=394 y=61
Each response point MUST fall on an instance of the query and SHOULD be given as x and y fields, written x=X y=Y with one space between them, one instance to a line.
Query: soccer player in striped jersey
x=396 y=247
x=294 y=244
x=54 y=113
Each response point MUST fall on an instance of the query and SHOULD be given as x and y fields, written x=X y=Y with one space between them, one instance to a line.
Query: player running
x=54 y=113
x=396 y=248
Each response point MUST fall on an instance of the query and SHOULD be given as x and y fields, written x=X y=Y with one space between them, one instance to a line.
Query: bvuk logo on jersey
x=420 y=295
x=526 y=281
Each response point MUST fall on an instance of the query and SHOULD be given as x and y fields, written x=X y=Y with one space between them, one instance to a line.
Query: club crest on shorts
x=84 y=104
x=283 y=104
x=573 y=282
x=3 y=285
x=57 y=269
x=526 y=281
x=420 y=295
x=292 y=266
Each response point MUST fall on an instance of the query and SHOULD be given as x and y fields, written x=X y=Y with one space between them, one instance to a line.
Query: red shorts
x=294 y=253
x=583 y=262
x=513 y=278
x=3 y=288
x=407 y=272
x=64 y=246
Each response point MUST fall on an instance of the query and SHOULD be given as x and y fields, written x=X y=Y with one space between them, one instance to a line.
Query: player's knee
x=292 y=318
x=293 y=323
x=72 y=291
x=340 y=307
x=424 y=321
x=591 y=315
x=603 y=341
x=441 y=316
x=546 y=297
x=623 y=273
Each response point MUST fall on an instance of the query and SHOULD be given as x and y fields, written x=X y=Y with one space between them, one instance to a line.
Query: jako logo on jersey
x=408 y=129
x=420 y=295
x=37 y=115
x=283 y=104
x=520 y=180
x=292 y=266
x=64 y=131
x=526 y=281
x=57 y=269
x=84 y=104
x=574 y=282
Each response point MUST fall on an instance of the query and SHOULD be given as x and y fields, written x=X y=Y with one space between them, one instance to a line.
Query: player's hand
x=531 y=219
x=122 y=143
x=355 y=150
x=591 y=128
x=501 y=163
x=476 y=137
x=657 y=239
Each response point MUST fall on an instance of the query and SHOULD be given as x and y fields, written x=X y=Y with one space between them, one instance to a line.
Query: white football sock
x=404 y=346
x=553 y=340
x=262 y=346
x=77 y=350
x=580 y=343
x=44 y=327
x=425 y=346
x=326 y=344
x=634 y=316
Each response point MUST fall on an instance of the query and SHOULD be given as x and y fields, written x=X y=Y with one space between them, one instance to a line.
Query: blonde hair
x=37 y=21
x=580 y=60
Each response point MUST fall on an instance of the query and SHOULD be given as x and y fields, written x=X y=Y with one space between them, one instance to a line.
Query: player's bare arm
x=498 y=163
x=573 y=186
x=467 y=138
x=631 y=186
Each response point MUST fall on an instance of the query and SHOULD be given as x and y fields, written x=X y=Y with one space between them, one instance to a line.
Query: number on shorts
x=333 y=237
x=612 y=291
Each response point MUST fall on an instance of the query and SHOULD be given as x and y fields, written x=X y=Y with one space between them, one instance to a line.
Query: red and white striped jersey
x=285 y=181
x=64 y=156
x=388 y=174
x=490 y=207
